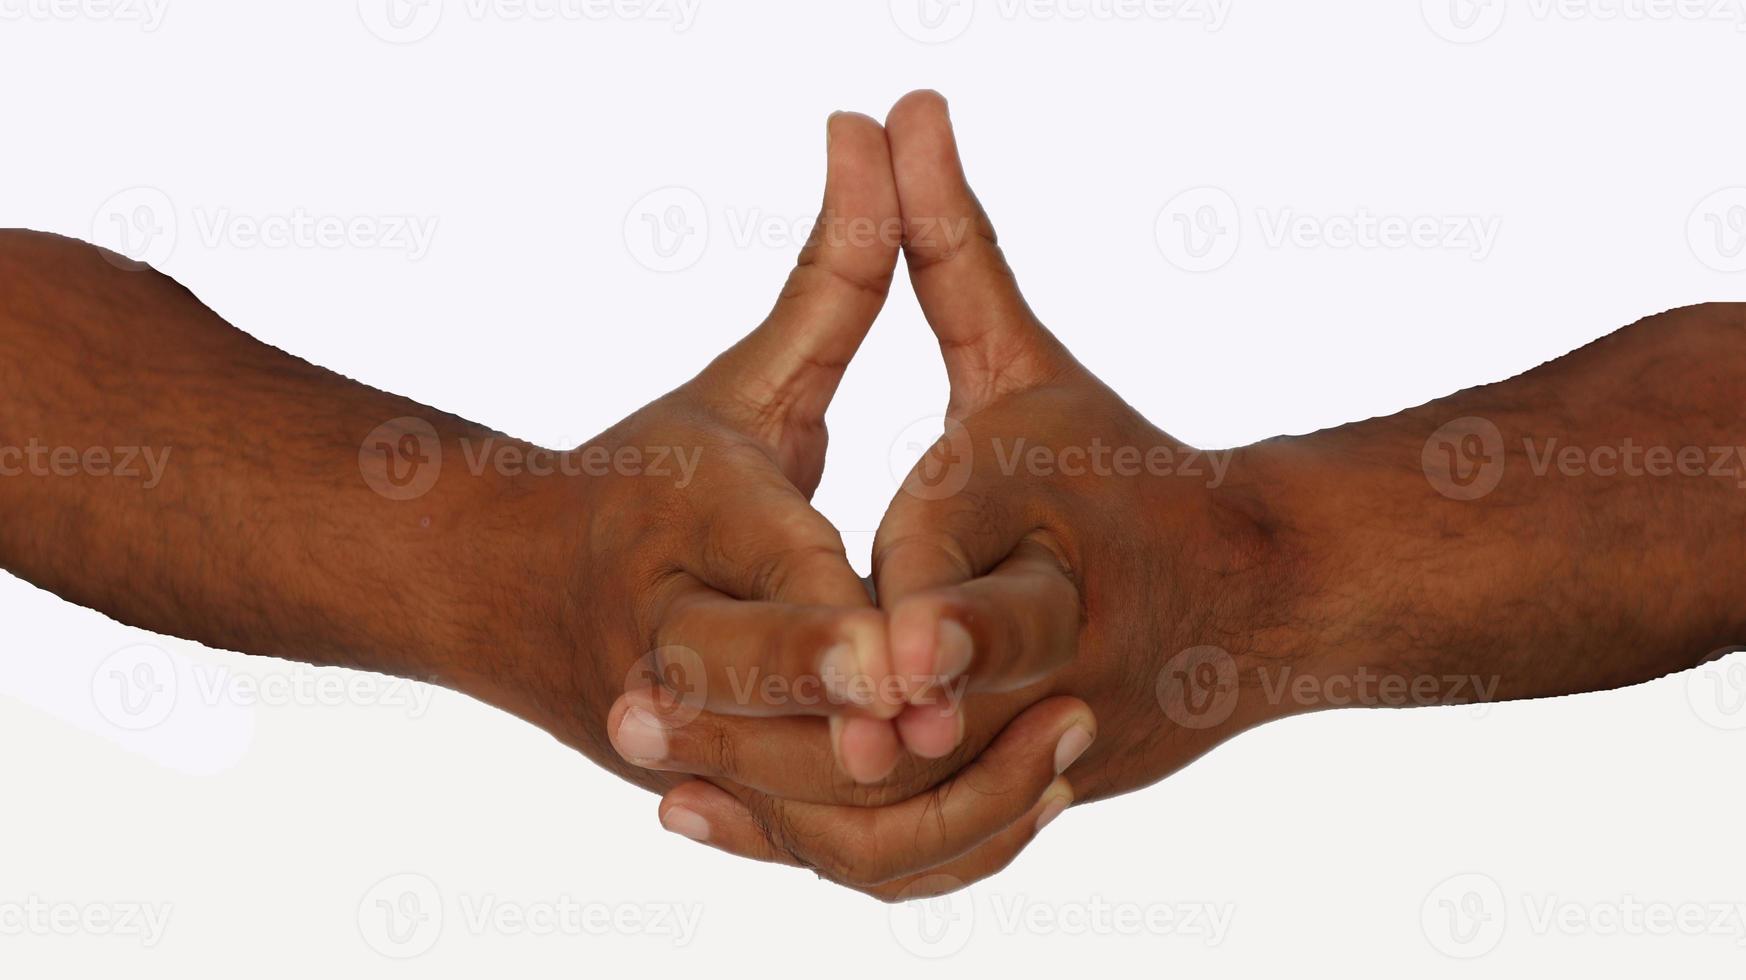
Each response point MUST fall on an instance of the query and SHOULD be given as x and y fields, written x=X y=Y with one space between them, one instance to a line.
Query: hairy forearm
x=243 y=520
x=1592 y=539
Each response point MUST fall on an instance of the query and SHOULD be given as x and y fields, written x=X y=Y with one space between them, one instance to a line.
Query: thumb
x=992 y=342
x=782 y=375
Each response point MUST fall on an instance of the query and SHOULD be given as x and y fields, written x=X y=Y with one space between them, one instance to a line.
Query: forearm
x=1601 y=547
x=241 y=518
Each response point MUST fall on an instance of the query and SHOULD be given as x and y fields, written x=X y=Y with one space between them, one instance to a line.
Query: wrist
x=1322 y=583
x=501 y=630
x=1239 y=637
x=458 y=578
x=1402 y=591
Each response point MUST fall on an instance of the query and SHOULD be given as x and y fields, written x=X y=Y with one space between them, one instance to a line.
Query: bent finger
x=736 y=656
x=868 y=846
x=792 y=757
x=998 y=632
x=988 y=859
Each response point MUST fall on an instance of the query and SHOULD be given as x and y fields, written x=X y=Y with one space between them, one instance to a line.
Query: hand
x=730 y=598
x=1207 y=593
x=1053 y=522
x=729 y=588
x=1001 y=572
x=537 y=584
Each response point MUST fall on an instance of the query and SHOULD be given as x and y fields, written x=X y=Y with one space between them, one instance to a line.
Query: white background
x=1592 y=137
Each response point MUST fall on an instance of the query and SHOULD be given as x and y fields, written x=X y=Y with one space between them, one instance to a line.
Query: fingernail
x=843 y=676
x=830 y=130
x=641 y=739
x=955 y=649
x=1073 y=744
x=686 y=823
x=1050 y=812
x=865 y=748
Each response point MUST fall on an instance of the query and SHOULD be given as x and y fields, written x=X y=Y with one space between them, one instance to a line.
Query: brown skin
x=1169 y=607
x=541 y=594
x=1325 y=570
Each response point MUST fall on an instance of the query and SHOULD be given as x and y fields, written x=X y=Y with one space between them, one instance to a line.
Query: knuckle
x=891 y=893
x=770 y=821
x=913 y=777
x=779 y=573
x=814 y=272
x=855 y=860
x=921 y=547
x=722 y=754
